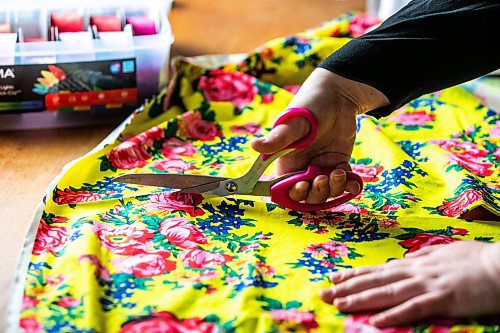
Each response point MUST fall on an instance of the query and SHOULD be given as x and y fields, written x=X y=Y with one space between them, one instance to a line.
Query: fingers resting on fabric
x=428 y=283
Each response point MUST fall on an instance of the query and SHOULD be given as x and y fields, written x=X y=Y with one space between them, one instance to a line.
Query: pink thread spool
x=142 y=25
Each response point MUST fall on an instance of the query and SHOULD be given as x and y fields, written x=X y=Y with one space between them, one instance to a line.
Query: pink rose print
x=234 y=87
x=68 y=302
x=458 y=205
x=192 y=126
x=166 y=322
x=180 y=232
x=495 y=131
x=29 y=302
x=361 y=23
x=466 y=154
x=125 y=240
x=359 y=323
x=132 y=153
x=305 y=319
x=367 y=172
x=348 y=208
x=172 y=166
x=30 y=325
x=173 y=148
x=185 y=202
x=71 y=197
x=145 y=265
x=248 y=128
x=49 y=238
x=330 y=249
x=416 y=118
x=425 y=239
x=196 y=258
x=293 y=89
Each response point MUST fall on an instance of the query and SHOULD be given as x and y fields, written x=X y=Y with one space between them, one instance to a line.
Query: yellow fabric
x=111 y=257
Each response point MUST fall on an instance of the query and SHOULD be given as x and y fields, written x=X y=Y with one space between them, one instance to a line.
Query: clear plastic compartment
x=120 y=53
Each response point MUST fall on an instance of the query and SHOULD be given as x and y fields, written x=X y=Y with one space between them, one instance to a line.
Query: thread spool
x=106 y=23
x=142 y=25
x=67 y=21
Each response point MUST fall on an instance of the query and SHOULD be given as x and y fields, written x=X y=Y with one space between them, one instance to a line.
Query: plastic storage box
x=66 y=63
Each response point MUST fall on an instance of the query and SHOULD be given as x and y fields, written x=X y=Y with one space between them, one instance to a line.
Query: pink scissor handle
x=292 y=113
x=279 y=191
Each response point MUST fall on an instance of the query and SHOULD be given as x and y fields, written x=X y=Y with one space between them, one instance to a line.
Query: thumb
x=281 y=136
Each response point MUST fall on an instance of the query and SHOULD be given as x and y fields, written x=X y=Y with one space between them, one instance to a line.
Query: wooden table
x=29 y=160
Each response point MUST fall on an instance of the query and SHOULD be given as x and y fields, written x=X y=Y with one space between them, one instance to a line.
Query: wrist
x=364 y=97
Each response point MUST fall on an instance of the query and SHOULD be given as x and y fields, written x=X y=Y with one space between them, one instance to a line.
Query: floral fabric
x=111 y=257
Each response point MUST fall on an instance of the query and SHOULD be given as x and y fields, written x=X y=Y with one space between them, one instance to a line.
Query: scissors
x=249 y=183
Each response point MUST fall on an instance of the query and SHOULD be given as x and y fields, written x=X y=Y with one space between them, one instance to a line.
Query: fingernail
x=374 y=320
x=323 y=183
x=338 y=174
x=302 y=187
x=327 y=294
x=341 y=302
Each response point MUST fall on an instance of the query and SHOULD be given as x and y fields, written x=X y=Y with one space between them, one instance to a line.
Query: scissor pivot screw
x=231 y=187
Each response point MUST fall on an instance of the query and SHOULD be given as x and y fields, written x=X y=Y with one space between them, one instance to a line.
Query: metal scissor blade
x=202 y=188
x=168 y=180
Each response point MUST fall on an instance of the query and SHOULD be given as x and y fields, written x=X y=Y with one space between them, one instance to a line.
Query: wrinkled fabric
x=113 y=257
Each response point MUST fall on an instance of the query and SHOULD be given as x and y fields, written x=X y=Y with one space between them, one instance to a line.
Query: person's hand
x=335 y=101
x=454 y=280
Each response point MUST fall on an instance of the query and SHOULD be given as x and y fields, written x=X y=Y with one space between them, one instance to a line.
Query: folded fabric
x=111 y=257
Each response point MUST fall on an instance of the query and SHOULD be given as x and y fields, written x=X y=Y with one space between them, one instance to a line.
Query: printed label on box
x=76 y=86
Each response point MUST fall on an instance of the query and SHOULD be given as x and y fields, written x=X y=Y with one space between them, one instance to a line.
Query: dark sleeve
x=426 y=46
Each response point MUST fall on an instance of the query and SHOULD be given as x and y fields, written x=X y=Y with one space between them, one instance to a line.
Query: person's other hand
x=453 y=280
x=335 y=101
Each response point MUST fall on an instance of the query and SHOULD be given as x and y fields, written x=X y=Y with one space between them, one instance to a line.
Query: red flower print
x=367 y=172
x=172 y=166
x=68 y=302
x=468 y=155
x=29 y=302
x=132 y=153
x=185 y=202
x=391 y=208
x=265 y=269
x=173 y=148
x=388 y=223
x=196 y=258
x=422 y=240
x=458 y=205
x=71 y=197
x=415 y=118
x=49 y=238
x=125 y=240
x=166 y=322
x=193 y=127
x=145 y=265
x=304 y=319
x=248 y=128
x=30 y=325
x=267 y=53
x=180 y=232
x=267 y=98
x=234 y=87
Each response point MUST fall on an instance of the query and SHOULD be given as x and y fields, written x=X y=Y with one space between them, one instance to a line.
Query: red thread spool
x=67 y=21
x=5 y=28
x=142 y=25
x=105 y=23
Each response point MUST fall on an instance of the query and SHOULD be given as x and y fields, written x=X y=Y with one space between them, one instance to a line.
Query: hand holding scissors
x=249 y=183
